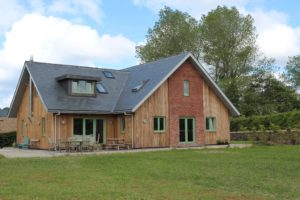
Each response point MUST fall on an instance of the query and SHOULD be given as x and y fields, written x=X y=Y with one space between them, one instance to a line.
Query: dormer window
x=83 y=87
x=78 y=85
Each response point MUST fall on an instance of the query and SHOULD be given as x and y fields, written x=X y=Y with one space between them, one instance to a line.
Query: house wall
x=155 y=105
x=186 y=106
x=33 y=126
x=8 y=125
x=214 y=107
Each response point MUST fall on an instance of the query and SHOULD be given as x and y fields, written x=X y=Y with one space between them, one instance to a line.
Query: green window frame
x=122 y=124
x=86 y=127
x=186 y=88
x=187 y=130
x=43 y=126
x=159 y=124
x=210 y=123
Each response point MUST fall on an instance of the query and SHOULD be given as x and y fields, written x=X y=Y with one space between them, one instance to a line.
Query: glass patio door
x=186 y=130
x=89 y=127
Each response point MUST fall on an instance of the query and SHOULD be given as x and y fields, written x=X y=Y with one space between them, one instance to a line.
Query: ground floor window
x=159 y=124
x=43 y=126
x=122 y=124
x=186 y=130
x=211 y=124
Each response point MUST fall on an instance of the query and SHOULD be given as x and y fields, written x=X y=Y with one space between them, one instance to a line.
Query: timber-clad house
x=171 y=102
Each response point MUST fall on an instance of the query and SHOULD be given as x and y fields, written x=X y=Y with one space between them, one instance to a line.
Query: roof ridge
x=77 y=66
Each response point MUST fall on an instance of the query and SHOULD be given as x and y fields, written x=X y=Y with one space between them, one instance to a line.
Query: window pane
x=186 y=88
x=122 y=124
x=207 y=123
x=43 y=126
x=100 y=131
x=155 y=124
x=89 y=124
x=75 y=87
x=190 y=126
x=182 y=130
x=100 y=88
x=162 y=124
x=78 y=126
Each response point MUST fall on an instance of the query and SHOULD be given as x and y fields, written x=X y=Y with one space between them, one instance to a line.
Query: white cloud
x=56 y=40
x=275 y=37
x=10 y=11
x=90 y=8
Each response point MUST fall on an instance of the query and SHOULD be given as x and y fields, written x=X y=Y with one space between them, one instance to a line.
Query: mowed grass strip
x=263 y=172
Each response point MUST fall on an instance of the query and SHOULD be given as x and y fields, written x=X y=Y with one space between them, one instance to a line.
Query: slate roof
x=119 y=98
x=3 y=113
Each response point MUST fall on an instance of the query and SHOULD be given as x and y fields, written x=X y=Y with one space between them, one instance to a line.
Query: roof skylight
x=100 y=88
x=108 y=74
x=139 y=86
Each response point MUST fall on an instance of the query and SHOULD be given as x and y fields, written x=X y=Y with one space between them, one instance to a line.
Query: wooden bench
x=117 y=143
x=34 y=142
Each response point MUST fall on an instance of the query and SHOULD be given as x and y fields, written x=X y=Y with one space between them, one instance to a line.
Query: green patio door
x=187 y=130
x=89 y=127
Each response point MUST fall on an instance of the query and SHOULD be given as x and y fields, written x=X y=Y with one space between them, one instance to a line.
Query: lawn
x=262 y=172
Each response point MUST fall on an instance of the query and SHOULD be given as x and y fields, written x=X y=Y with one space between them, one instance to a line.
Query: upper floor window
x=83 y=87
x=186 y=88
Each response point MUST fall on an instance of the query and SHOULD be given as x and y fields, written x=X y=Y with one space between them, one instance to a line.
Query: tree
x=175 y=32
x=293 y=71
x=265 y=94
x=229 y=48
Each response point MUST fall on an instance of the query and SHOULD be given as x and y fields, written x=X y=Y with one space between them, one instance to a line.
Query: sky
x=104 y=33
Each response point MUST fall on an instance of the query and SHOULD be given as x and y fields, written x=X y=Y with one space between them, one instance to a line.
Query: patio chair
x=51 y=144
x=72 y=144
x=25 y=143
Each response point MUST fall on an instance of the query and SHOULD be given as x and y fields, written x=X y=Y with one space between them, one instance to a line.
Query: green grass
x=264 y=172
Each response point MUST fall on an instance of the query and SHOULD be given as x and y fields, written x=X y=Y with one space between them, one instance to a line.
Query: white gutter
x=55 y=142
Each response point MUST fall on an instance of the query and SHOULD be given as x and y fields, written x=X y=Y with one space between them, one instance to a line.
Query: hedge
x=7 y=139
x=279 y=121
x=268 y=137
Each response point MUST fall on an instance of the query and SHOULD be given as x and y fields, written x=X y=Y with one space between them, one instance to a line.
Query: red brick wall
x=182 y=106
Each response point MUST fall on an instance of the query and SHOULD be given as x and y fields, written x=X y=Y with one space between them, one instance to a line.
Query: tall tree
x=229 y=42
x=229 y=48
x=292 y=74
x=175 y=32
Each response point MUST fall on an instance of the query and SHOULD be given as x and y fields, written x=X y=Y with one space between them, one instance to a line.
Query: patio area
x=10 y=152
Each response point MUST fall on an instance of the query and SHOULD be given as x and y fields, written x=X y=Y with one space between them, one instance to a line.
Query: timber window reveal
x=211 y=124
x=159 y=124
x=186 y=88
x=83 y=87
x=122 y=124
x=43 y=126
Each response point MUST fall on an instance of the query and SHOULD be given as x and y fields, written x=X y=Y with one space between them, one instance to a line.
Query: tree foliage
x=228 y=41
x=175 y=32
x=293 y=71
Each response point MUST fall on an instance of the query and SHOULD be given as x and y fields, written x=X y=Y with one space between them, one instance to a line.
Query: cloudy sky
x=103 y=33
